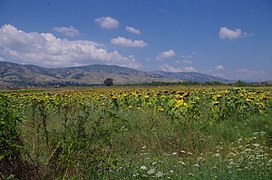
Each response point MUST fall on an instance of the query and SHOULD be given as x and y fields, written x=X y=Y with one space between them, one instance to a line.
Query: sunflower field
x=137 y=133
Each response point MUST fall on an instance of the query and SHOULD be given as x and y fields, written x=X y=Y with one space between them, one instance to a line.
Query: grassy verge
x=144 y=144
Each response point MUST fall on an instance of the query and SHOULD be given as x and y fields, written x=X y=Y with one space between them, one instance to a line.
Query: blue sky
x=227 y=38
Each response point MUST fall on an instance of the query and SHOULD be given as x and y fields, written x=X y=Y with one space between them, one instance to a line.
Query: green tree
x=240 y=83
x=108 y=82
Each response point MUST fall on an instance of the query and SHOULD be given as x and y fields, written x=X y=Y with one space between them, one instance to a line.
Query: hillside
x=191 y=76
x=17 y=74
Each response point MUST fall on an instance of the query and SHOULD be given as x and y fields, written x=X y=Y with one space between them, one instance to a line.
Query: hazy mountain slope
x=191 y=76
x=85 y=75
x=18 y=74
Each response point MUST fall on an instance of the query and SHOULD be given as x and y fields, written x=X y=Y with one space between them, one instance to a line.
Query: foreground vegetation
x=137 y=133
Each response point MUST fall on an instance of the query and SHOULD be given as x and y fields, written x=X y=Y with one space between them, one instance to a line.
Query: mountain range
x=31 y=75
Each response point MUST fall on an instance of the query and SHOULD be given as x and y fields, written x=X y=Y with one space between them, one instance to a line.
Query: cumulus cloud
x=189 y=69
x=47 y=50
x=107 y=22
x=186 y=59
x=166 y=54
x=68 y=31
x=168 y=68
x=220 y=67
x=125 y=42
x=133 y=30
x=226 y=33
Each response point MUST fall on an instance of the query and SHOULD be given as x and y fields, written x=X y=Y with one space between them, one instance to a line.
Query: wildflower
x=114 y=98
x=146 y=96
x=171 y=171
x=159 y=174
x=256 y=145
x=151 y=171
x=181 y=162
x=196 y=165
x=247 y=145
x=248 y=149
x=185 y=105
x=200 y=158
x=161 y=109
x=143 y=168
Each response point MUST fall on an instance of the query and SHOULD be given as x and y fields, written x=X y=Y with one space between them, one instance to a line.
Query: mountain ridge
x=33 y=75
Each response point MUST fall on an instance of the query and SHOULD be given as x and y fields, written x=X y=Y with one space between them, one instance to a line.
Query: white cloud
x=220 y=67
x=133 y=30
x=226 y=33
x=107 y=22
x=166 y=54
x=186 y=59
x=216 y=73
x=189 y=69
x=68 y=31
x=122 y=41
x=168 y=68
x=47 y=50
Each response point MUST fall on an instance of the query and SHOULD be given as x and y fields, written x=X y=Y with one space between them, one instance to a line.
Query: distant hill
x=31 y=75
x=192 y=76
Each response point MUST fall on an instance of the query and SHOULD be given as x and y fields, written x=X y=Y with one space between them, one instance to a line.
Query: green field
x=137 y=133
